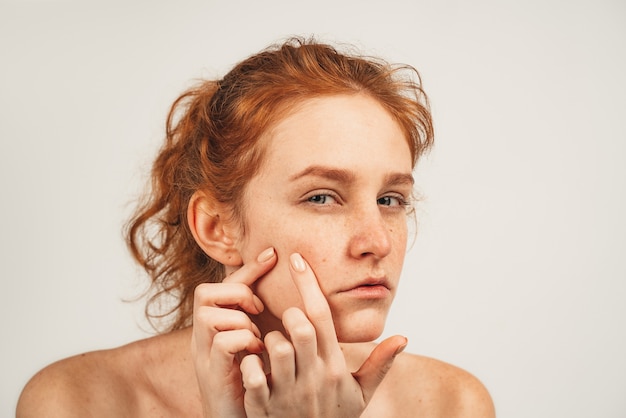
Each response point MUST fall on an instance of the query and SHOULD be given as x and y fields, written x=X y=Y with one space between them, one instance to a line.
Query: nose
x=370 y=235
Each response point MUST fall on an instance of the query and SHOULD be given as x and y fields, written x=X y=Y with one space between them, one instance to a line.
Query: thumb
x=375 y=368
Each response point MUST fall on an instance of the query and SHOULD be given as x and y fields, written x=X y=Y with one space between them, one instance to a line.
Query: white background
x=518 y=271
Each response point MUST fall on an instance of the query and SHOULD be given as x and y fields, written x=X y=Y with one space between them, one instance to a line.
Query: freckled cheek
x=277 y=289
x=398 y=233
x=399 y=238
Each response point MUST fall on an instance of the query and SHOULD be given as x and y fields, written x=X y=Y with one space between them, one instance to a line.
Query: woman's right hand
x=309 y=374
x=222 y=331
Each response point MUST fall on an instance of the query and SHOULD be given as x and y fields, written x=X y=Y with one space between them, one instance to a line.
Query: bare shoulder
x=418 y=386
x=444 y=388
x=132 y=380
x=74 y=387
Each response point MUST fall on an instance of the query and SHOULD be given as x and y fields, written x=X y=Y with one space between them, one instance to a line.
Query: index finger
x=315 y=304
x=251 y=272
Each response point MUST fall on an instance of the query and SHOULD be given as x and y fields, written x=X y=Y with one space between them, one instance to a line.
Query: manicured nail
x=266 y=255
x=256 y=331
x=297 y=262
x=401 y=348
x=257 y=303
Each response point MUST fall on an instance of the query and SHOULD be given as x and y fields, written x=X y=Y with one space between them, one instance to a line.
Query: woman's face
x=333 y=187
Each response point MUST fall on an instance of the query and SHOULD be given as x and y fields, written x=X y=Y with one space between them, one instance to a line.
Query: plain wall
x=517 y=273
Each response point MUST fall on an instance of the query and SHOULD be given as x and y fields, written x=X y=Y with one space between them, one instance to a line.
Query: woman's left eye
x=391 y=201
x=321 y=199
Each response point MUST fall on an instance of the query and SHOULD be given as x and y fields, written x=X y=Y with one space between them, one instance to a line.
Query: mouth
x=369 y=289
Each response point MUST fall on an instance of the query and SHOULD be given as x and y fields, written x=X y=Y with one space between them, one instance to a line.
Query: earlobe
x=212 y=227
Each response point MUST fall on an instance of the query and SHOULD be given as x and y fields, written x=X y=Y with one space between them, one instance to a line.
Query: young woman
x=277 y=220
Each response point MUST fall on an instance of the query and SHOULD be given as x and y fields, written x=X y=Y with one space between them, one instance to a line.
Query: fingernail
x=266 y=255
x=256 y=331
x=297 y=262
x=257 y=303
x=401 y=348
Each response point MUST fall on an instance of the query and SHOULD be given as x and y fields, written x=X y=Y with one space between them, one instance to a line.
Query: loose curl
x=211 y=144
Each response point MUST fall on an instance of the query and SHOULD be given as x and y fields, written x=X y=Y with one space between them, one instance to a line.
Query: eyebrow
x=345 y=176
x=400 y=178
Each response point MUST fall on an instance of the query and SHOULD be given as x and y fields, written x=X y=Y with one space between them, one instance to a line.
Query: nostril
x=371 y=235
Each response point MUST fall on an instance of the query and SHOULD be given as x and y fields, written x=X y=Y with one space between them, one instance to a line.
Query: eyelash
x=402 y=201
x=311 y=199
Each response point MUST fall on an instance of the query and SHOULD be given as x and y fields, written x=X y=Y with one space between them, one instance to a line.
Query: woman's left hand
x=309 y=376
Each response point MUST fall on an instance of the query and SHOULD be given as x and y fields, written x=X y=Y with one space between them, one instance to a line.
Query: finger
x=226 y=345
x=213 y=320
x=303 y=337
x=255 y=382
x=375 y=368
x=250 y=272
x=315 y=305
x=210 y=322
x=282 y=358
x=227 y=295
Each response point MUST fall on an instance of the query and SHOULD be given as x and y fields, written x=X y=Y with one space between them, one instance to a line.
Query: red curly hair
x=211 y=144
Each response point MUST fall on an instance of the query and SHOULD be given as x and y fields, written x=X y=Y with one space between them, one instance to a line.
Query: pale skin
x=312 y=270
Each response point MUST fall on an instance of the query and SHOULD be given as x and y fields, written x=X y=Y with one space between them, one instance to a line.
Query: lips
x=371 y=288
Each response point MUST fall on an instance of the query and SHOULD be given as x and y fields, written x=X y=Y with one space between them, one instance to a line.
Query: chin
x=358 y=337
x=359 y=330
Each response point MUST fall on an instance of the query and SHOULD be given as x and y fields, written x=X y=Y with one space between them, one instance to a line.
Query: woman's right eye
x=322 y=199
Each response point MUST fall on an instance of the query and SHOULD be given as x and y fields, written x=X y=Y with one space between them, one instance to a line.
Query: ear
x=213 y=228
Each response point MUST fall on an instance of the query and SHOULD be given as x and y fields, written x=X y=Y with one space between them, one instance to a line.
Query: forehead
x=338 y=130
